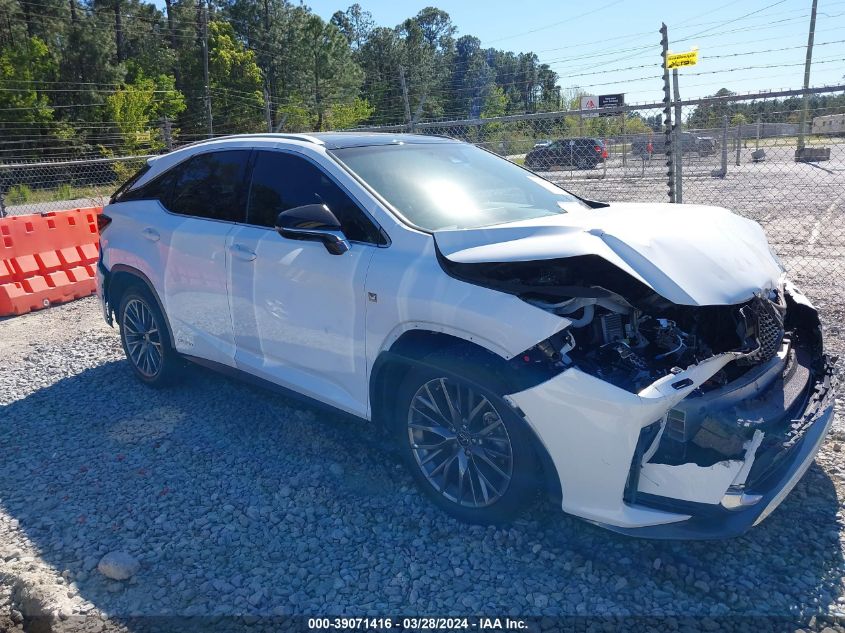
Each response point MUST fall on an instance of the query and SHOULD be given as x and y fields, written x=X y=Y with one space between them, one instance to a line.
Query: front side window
x=209 y=186
x=455 y=185
x=282 y=181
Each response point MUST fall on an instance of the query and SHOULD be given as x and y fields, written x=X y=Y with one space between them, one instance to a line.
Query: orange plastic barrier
x=46 y=259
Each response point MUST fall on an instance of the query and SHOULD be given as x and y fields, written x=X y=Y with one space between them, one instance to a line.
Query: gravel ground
x=240 y=505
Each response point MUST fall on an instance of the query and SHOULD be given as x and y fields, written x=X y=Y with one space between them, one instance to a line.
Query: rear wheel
x=146 y=340
x=465 y=447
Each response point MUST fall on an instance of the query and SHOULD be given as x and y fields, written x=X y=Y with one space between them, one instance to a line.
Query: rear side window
x=208 y=186
x=282 y=181
x=118 y=195
x=159 y=188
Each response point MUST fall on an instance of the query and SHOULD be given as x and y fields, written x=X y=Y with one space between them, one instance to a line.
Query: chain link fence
x=739 y=152
x=40 y=187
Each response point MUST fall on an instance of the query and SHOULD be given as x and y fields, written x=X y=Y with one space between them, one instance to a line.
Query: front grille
x=765 y=321
x=769 y=329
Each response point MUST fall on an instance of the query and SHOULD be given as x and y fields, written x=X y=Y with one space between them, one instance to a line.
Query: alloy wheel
x=460 y=443
x=143 y=338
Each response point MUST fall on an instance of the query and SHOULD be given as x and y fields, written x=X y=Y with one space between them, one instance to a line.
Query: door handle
x=151 y=234
x=242 y=252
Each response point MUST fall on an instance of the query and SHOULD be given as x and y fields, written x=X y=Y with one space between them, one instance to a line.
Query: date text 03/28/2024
x=417 y=624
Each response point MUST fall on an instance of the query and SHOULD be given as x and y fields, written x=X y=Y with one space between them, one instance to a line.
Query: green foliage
x=739 y=119
x=117 y=68
x=20 y=67
x=19 y=194
x=332 y=77
x=64 y=191
x=294 y=117
x=770 y=110
x=346 y=115
x=235 y=81
x=495 y=103
x=137 y=109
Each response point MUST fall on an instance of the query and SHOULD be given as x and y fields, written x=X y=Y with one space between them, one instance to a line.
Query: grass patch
x=22 y=194
x=19 y=194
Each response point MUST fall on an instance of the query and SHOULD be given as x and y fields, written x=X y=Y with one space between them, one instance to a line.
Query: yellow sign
x=142 y=136
x=679 y=60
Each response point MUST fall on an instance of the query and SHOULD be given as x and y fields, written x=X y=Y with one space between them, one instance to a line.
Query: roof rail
x=293 y=137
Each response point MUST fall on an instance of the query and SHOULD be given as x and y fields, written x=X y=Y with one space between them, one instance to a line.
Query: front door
x=298 y=311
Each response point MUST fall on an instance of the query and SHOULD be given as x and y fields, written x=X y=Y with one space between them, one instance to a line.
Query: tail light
x=597 y=148
x=604 y=154
x=102 y=222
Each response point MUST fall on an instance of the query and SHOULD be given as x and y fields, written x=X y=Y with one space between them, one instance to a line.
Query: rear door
x=298 y=311
x=206 y=198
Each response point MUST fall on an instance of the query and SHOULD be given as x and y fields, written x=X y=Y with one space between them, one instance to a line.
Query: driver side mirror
x=313 y=222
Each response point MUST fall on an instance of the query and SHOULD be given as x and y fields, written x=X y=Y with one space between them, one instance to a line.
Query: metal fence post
x=724 y=170
x=2 y=197
x=678 y=139
x=738 y=141
x=667 y=115
x=624 y=115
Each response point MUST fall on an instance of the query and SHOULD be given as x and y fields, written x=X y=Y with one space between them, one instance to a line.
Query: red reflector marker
x=102 y=222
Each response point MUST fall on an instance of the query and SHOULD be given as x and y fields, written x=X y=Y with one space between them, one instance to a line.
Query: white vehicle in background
x=648 y=365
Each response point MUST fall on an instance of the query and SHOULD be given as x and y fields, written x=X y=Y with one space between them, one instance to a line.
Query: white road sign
x=589 y=102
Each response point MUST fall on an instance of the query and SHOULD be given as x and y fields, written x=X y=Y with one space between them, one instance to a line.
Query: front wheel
x=467 y=450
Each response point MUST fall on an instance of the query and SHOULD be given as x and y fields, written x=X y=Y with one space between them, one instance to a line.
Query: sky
x=612 y=46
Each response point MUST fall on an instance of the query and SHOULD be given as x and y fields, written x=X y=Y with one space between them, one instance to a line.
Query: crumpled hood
x=689 y=254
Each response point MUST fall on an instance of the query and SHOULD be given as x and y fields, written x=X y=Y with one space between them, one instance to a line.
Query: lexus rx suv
x=648 y=366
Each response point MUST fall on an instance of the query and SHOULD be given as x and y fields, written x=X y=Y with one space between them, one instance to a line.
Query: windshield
x=454 y=185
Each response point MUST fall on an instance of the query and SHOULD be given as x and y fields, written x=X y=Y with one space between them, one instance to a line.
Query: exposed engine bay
x=624 y=333
x=631 y=348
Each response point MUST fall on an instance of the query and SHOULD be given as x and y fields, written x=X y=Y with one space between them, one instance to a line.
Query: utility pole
x=667 y=112
x=408 y=119
x=167 y=131
x=267 y=113
x=205 y=70
x=807 y=63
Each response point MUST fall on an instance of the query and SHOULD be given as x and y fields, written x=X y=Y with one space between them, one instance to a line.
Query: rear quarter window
x=120 y=194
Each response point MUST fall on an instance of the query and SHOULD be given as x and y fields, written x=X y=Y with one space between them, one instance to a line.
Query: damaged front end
x=667 y=420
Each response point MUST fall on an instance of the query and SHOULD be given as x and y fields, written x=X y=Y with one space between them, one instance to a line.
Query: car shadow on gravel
x=239 y=501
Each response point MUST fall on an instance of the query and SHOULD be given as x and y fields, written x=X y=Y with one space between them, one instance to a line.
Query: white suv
x=648 y=365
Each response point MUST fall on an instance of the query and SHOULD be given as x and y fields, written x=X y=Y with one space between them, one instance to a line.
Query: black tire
x=471 y=507
x=538 y=164
x=131 y=317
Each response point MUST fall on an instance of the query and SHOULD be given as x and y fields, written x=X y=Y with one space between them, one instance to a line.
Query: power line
x=554 y=24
